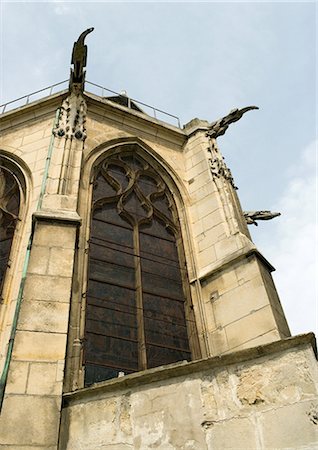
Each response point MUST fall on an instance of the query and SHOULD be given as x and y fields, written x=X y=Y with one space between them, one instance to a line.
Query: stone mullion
x=142 y=356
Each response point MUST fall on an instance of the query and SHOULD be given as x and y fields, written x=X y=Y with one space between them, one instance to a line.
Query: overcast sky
x=202 y=60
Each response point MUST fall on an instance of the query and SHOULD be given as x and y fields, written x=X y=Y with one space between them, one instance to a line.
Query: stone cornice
x=234 y=258
x=68 y=217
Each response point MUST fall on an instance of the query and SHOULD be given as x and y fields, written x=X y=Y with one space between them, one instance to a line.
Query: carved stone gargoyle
x=79 y=60
x=252 y=216
x=219 y=127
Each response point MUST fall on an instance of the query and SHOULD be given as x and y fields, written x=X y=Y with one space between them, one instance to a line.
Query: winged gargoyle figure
x=219 y=127
x=252 y=216
x=79 y=58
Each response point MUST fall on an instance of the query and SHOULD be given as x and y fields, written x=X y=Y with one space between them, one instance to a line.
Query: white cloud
x=292 y=245
x=61 y=8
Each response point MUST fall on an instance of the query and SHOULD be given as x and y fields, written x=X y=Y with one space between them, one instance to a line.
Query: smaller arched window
x=9 y=211
x=138 y=307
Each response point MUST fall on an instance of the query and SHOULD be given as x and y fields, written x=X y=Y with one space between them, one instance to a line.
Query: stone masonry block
x=201 y=186
x=199 y=194
x=197 y=170
x=44 y=316
x=179 y=425
x=33 y=137
x=240 y=302
x=48 y=288
x=218 y=341
x=17 y=378
x=31 y=157
x=255 y=324
x=43 y=379
x=98 y=418
x=220 y=282
x=38 y=346
x=37 y=419
x=41 y=145
x=278 y=382
x=211 y=236
x=39 y=260
x=271 y=336
x=291 y=426
x=246 y=269
x=207 y=205
x=207 y=257
x=55 y=235
x=61 y=262
x=39 y=165
x=234 y=434
x=197 y=227
x=226 y=247
x=212 y=219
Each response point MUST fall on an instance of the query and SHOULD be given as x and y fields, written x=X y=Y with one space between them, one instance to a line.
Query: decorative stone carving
x=71 y=123
x=79 y=60
x=219 y=127
x=218 y=166
x=216 y=129
x=252 y=216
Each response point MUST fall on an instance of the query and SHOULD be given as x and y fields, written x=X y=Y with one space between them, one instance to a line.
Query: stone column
x=30 y=415
x=31 y=408
x=232 y=283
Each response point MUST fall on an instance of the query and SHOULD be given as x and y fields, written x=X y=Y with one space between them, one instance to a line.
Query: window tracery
x=9 y=210
x=138 y=312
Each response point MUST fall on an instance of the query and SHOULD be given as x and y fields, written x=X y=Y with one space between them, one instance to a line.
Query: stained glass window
x=136 y=302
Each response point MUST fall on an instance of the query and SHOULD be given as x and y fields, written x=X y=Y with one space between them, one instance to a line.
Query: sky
x=203 y=59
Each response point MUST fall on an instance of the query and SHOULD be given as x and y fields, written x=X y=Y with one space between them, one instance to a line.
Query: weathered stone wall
x=261 y=398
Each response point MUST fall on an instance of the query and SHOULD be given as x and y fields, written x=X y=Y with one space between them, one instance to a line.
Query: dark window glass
x=135 y=310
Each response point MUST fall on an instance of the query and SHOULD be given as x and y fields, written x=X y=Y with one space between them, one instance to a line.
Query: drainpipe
x=4 y=376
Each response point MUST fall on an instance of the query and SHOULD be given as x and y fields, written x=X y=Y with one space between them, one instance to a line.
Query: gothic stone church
x=136 y=312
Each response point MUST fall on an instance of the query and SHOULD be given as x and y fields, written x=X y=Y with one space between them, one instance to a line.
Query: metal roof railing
x=27 y=98
x=150 y=110
x=47 y=91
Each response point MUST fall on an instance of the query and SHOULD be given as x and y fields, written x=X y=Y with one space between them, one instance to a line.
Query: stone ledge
x=183 y=368
x=69 y=217
x=233 y=259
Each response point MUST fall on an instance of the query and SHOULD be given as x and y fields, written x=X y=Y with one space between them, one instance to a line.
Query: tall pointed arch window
x=9 y=211
x=138 y=309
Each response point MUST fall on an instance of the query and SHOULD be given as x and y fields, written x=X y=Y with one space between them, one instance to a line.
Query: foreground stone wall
x=261 y=398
